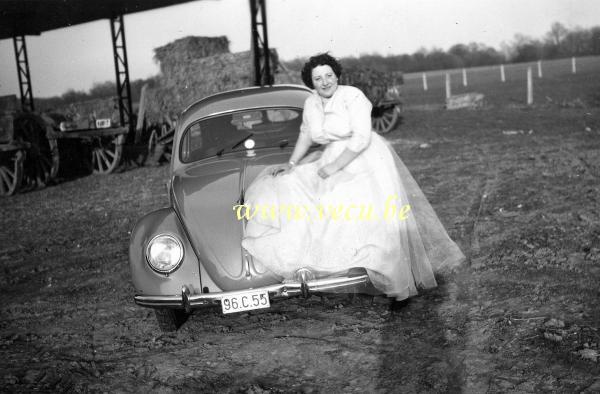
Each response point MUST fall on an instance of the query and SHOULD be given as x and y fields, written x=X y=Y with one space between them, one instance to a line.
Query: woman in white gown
x=355 y=205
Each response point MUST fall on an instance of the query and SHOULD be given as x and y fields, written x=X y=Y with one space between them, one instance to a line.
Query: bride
x=355 y=205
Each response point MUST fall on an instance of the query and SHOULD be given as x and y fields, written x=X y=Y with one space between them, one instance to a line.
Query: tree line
x=100 y=90
x=558 y=42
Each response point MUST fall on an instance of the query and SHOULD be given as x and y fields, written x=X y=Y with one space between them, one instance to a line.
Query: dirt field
x=516 y=187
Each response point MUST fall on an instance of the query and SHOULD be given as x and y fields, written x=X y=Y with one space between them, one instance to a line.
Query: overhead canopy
x=32 y=17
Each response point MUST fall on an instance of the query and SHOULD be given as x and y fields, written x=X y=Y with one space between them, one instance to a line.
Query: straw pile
x=195 y=79
x=186 y=49
x=285 y=75
x=196 y=67
x=8 y=104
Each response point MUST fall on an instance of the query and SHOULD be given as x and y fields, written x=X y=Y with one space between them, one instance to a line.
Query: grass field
x=558 y=84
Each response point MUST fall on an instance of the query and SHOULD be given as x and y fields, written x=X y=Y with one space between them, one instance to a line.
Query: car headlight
x=164 y=253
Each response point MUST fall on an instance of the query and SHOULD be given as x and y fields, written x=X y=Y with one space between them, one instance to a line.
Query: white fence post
x=464 y=77
x=529 y=87
x=502 y=77
x=539 y=68
x=424 y=81
x=448 y=91
x=573 y=65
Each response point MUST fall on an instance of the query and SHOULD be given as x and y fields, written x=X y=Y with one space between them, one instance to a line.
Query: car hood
x=204 y=196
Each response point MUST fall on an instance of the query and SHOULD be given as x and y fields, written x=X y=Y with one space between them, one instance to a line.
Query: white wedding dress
x=370 y=214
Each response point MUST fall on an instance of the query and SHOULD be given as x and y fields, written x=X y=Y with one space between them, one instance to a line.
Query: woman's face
x=324 y=80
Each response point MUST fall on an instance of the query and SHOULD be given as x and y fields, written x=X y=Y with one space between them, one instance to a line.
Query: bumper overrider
x=190 y=301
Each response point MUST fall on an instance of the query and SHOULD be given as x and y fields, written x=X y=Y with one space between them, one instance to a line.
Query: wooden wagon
x=94 y=126
x=28 y=153
x=384 y=92
x=33 y=147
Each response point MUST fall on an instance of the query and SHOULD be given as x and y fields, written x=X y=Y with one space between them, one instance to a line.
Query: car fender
x=149 y=282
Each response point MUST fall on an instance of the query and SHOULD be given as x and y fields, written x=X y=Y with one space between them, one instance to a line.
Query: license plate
x=245 y=301
x=103 y=123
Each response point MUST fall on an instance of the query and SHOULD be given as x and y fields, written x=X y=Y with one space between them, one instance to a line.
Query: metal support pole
x=117 y=29
x=23 y=73
x=263 y=74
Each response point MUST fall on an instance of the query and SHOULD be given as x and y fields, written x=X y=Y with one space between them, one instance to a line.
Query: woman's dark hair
x=323 y=59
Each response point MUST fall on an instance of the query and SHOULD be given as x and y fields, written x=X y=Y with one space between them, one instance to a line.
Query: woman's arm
x=359 y=108
x=303 y=142
x=302 y=145
x=340 y=162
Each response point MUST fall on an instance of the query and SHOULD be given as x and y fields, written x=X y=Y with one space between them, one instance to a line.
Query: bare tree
x=557 y=33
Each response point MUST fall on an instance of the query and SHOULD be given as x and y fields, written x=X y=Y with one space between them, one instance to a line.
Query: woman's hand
x=327 y=170
x=282 y=169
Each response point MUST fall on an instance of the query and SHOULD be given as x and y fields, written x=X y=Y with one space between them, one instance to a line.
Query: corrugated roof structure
x=33 y=17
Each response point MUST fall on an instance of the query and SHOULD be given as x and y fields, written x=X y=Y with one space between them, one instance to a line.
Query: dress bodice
x=346 y=115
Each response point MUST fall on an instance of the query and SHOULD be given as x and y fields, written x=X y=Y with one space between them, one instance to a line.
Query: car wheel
x=170 y=319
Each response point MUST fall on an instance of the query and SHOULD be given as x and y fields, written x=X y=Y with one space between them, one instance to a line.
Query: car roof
x=250 y=97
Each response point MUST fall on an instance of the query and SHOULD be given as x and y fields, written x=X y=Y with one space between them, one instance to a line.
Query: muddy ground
x=517 y=188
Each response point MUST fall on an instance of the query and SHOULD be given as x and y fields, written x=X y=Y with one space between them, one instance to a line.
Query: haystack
x=8 y=104
x=195 y=79
x=188 y=81
x=171 y=56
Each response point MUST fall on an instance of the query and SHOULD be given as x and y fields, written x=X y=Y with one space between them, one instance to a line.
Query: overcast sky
x=79 y=56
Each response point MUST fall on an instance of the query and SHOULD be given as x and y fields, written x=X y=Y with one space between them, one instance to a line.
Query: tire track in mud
x=473 y=365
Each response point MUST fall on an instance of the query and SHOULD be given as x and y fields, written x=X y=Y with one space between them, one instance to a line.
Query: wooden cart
x=160 y=141
x=12 y=156
x=28 y=153
x=93 y=126
x=105 y=146
x=384 y=92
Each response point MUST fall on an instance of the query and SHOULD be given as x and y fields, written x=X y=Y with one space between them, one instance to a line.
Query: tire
x=170 y=320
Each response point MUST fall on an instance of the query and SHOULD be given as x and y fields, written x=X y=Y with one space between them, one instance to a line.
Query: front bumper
x=190 y=301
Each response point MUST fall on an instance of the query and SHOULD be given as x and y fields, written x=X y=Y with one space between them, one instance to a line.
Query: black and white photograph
x=300 y=196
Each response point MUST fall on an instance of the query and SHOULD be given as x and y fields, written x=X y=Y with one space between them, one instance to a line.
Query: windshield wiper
x=220 y=152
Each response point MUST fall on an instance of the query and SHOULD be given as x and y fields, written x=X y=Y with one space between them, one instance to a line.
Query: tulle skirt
x=371 y=214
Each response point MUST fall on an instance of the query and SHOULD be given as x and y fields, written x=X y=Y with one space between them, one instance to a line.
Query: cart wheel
x=167 y=152
x=42 y=160
x=106 y=153
x=152 y=141
x=11 y=173
x=168 y=142
x=384 y=119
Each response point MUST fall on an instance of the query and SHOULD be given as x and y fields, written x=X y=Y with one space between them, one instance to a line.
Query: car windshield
x=266 y=127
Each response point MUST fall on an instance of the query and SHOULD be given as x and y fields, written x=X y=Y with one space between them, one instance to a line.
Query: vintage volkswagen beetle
x=189 y=254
